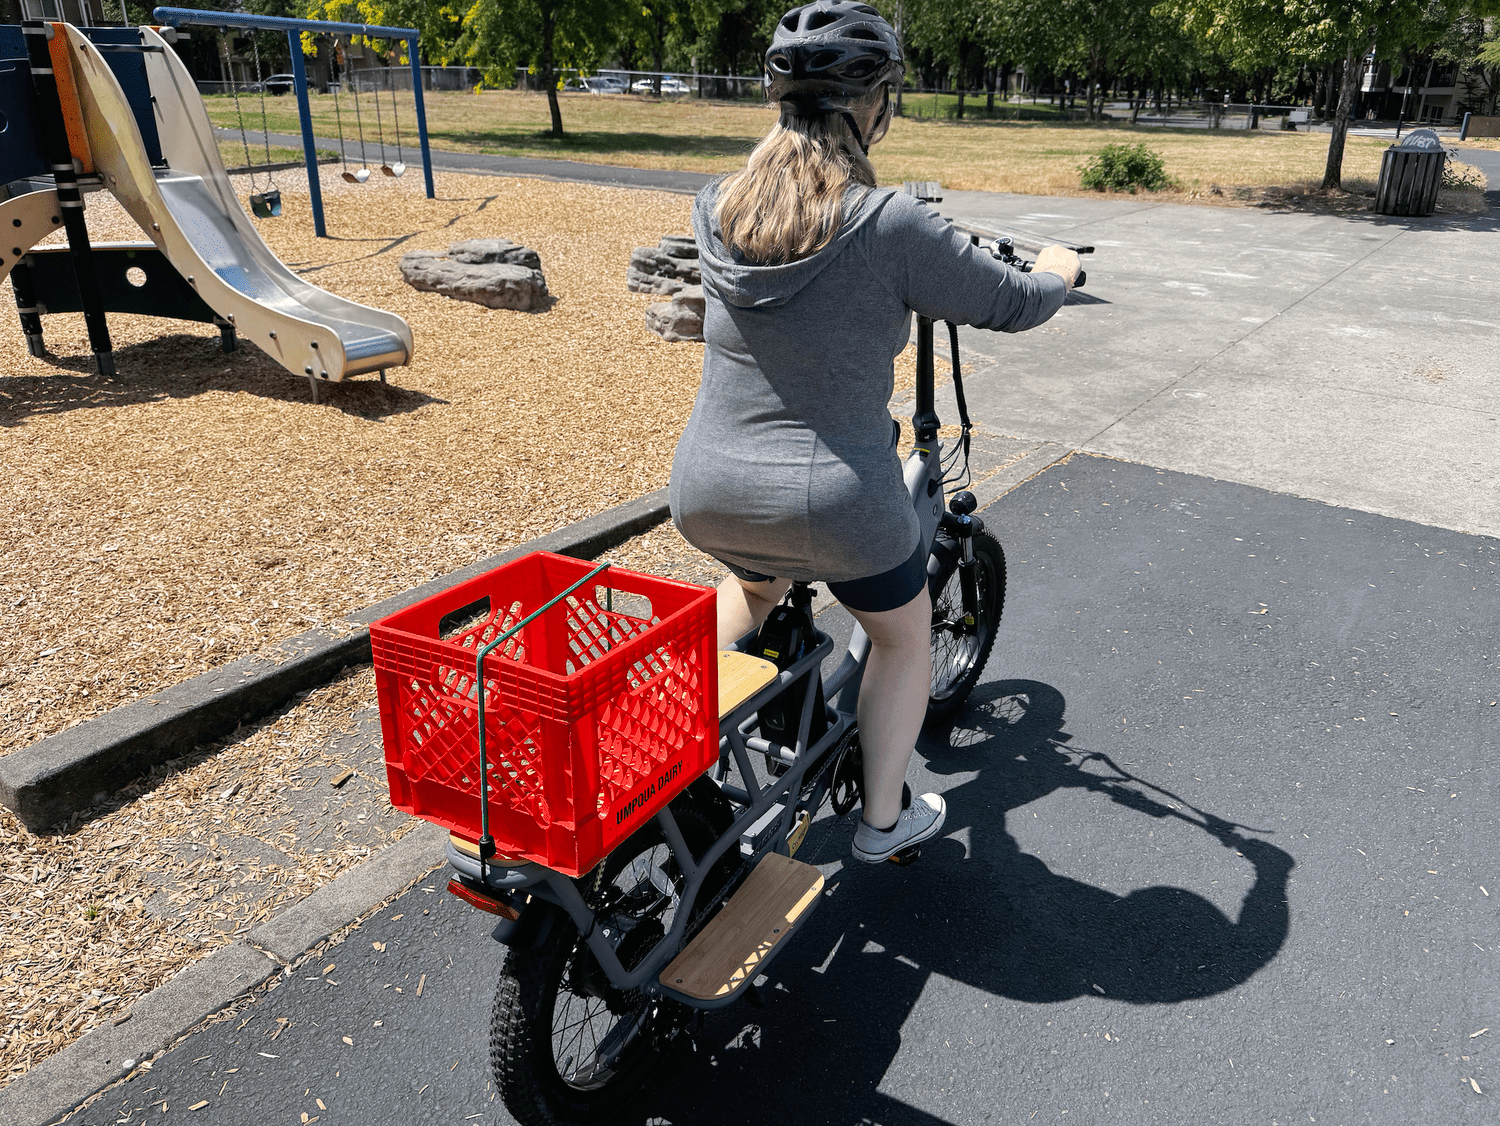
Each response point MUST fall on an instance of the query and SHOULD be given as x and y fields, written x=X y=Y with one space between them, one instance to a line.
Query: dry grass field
x=704 y=136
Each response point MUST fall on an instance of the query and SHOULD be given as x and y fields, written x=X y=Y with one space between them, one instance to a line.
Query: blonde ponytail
x=788 y=200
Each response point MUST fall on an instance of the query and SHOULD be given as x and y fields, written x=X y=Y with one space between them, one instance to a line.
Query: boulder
x=480 y=275
x=680 y=319
x=480 y=251
x=679 y=246
x=663 y=269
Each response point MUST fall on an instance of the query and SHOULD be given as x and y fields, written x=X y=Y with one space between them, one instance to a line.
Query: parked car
x=596 y=85
x=275 y=84
x=670 y=84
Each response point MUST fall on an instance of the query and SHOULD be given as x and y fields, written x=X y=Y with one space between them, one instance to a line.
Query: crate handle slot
x=487 y=842
x=454 y=621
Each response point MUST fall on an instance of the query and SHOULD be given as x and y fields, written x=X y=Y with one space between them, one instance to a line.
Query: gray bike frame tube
x=563 y=891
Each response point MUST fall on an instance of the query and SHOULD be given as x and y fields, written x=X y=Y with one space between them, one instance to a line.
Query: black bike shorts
x=888 y=590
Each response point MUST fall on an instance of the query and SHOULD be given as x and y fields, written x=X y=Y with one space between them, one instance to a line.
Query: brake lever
x=1003 y=249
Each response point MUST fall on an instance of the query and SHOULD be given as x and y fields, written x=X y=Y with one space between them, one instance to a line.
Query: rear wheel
x=565 y=1045
x=961 y=641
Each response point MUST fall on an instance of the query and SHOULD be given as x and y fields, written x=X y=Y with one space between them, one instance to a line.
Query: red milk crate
x=597 y=713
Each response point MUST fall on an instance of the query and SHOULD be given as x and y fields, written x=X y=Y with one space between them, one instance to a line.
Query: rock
x=663 y=269
x=498 y=285
x=680 y=319
x=485 y=250
x=679 y=246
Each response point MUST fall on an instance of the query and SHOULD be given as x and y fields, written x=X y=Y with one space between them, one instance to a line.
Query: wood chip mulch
x=199 y=506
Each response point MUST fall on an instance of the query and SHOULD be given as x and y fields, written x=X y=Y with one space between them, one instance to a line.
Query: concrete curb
x=60 y=1082
x=390 y=871
x=49 y=781
x=52 y=1089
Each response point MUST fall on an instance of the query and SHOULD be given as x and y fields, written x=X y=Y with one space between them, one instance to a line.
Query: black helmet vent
x=830 y=50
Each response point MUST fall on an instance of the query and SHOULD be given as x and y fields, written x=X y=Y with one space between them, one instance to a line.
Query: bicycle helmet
x=830 y=56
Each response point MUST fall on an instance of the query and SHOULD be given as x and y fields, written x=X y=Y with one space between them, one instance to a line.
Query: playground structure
x=115 y=109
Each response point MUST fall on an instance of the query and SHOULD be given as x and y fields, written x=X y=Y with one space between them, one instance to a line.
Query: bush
x=1462 y=178
x=1125 y=168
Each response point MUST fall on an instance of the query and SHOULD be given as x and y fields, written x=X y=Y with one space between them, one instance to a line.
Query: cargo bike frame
x=607 y=969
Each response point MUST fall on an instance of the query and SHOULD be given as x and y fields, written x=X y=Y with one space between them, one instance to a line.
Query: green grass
x=232 y=151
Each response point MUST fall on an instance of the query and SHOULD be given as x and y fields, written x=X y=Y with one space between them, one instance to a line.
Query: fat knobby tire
x=989 y=574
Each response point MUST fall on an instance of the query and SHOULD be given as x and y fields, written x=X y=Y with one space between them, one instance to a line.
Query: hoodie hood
x=737 y=282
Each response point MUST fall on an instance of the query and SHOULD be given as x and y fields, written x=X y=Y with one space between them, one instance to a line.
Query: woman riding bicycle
x=788 y=466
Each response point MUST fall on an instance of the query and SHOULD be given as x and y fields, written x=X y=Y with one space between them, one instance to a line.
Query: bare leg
x=893 y=701
x=743 y=606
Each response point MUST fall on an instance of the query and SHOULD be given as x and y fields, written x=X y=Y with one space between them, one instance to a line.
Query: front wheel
x=962 y=640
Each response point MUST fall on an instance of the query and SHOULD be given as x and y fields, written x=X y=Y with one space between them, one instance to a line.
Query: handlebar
x=1004 y=249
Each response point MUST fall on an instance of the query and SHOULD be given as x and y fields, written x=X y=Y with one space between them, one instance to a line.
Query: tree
x=1252 y=33
x=1470 y=45
x=499 y=35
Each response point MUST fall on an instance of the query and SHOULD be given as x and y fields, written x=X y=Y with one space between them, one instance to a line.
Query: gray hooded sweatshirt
x=788 y=465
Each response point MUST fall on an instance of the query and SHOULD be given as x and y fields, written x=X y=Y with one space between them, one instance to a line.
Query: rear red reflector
x=484 y=902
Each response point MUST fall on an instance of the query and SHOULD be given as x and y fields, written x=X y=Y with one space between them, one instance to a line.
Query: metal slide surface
x=192 y=214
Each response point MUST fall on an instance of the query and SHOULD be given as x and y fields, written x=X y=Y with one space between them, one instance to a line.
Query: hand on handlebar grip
x=1059 y=260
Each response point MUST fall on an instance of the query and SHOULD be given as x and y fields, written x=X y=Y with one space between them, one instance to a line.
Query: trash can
x=1410 y=175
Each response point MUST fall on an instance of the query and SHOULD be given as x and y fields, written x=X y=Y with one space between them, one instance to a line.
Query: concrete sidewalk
x=1345 y=359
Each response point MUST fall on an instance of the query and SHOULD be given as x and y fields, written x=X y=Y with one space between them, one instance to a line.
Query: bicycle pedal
x=906 y=856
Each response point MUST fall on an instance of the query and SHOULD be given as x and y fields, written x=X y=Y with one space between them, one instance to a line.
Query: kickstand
x=312 y=382
x=754 y=996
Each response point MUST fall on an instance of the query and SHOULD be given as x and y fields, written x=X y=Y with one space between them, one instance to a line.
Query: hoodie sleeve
x=937 y=272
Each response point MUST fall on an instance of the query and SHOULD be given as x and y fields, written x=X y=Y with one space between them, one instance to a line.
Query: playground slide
x=24 y=221
x=191 y=213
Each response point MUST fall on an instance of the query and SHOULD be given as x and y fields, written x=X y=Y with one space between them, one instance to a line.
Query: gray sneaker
x=919 y=821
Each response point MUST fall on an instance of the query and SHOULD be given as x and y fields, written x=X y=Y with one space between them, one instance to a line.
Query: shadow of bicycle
x=988 y=916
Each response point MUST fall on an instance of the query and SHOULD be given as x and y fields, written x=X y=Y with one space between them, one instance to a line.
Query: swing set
x=266 y=203
x=386 y=167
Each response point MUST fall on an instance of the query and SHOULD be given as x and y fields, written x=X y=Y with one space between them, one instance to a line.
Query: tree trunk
x=547 y=67
x=989 y=91
x=1333 y=170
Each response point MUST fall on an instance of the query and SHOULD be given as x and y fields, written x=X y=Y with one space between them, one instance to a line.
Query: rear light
x=487 y=903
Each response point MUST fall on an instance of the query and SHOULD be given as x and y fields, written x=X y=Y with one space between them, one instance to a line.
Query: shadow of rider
x=988 y=916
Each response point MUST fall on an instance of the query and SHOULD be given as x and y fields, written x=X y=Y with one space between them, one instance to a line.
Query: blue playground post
x=416 y=93
x=309 y=149
x=177 y=17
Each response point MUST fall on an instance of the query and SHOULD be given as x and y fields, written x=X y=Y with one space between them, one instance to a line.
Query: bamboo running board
x=728 y=952
x=740 y=677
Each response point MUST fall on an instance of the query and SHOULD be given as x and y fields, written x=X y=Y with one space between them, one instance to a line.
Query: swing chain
x=239 y=114
x=341 y=60
x=265 y=126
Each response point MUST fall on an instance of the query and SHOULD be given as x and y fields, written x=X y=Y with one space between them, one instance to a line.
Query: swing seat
x=267 y=204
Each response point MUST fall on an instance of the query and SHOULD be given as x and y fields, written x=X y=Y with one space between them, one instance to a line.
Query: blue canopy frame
x=177 y=17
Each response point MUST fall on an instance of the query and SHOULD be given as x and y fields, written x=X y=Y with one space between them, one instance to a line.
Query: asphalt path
x=1219 y=850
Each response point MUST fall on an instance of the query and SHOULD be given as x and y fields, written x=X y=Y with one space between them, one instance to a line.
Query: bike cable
x=963 y=412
